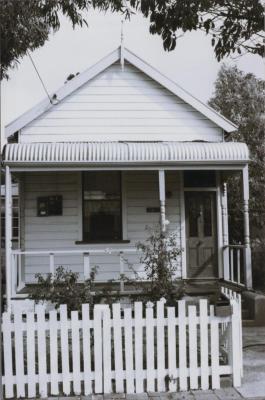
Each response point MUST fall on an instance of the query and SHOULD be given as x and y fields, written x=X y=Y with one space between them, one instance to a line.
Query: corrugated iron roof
x=124 y=152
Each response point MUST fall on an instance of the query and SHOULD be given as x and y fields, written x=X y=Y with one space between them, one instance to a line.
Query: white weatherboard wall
x=121 y=105
x=61 y=232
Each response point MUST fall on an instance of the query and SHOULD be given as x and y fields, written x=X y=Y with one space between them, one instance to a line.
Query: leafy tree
x=240 y=97
x=235 y=25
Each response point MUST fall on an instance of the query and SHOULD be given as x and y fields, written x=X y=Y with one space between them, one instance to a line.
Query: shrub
x=62 y=287
x=159 y=254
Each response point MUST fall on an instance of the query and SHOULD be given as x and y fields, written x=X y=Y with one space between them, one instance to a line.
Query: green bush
x=159 y=254
x=63 y=287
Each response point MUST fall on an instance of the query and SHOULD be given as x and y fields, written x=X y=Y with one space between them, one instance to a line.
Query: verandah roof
x=125 y=153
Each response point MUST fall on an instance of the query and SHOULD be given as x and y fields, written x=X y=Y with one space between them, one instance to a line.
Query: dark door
x=201 y=234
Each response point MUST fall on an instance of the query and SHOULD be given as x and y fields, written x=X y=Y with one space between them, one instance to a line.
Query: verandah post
x=8 y=233
x=225 y=232
x=247 y=250
x=162 y=198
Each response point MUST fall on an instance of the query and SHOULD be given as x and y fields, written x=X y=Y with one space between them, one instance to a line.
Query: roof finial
x=122 y=45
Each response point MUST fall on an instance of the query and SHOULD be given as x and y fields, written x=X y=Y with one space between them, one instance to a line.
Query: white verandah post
x=247 y=250
x=225 y=231
x=162 y=198
x=8 y=236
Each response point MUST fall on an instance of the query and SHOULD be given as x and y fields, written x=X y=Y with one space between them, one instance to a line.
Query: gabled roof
x=100 y=66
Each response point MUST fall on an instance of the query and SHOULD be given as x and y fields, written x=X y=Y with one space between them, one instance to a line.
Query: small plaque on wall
x=49 y=206
x=153 y=209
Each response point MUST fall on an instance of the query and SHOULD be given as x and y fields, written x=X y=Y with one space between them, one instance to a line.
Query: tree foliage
x=235 y=25
x=240 y=98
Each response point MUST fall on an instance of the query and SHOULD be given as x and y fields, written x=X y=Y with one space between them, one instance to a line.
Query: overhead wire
x=43 y=85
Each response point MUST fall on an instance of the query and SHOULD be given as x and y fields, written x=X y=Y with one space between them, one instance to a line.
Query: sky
x=192 y=64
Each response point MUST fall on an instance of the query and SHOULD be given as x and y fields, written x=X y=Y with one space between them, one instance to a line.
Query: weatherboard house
x=123 y=148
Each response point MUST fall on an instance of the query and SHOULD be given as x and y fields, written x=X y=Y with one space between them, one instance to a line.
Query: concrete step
x=255 y=303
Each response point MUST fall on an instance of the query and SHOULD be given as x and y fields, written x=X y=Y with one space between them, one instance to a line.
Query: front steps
x=253 y=308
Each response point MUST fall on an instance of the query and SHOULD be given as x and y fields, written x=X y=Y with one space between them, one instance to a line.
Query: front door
x=201 y=240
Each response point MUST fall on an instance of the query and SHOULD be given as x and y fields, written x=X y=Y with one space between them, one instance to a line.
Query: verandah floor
x=193 y=287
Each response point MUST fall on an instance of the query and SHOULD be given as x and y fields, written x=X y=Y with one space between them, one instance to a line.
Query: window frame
x=15 y=239
x=122 y=222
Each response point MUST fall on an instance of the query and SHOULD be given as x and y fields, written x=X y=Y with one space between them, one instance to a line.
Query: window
x=102 y=220
x=15 y=221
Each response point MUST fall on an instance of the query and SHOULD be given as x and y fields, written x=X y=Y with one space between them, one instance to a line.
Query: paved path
x=222 y=394
x=253 y=383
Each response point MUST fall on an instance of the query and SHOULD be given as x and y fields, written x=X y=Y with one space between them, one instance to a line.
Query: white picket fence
x=232 y=295
x=152 y=348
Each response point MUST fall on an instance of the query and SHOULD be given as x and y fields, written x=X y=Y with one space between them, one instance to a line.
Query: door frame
x=218 y=223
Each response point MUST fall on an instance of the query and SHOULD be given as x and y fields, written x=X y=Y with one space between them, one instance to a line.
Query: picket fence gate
x=132 y=350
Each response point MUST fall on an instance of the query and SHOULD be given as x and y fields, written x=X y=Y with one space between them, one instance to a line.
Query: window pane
x=207 y=216
x=102 y=206
x=193 y=215
x=15 y=232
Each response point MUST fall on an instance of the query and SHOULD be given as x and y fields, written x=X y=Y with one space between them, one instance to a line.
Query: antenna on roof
x=122 y=44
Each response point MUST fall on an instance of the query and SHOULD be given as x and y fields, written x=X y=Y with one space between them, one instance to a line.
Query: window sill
x=101 y=241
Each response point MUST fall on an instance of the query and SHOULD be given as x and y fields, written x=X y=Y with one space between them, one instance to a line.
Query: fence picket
x=240 y=332
x=234 y=329
x=117 y=347
x=7 y=349
x=107 y=351
x=160 y=346
x=19 y=354
x=42 y=362
x=236 y=350
x=31 y=370
x=98 y=348
x=76 y=352
x=65 y=349
x=54 y=351
x=204 y=344
x=128 y=350
x=172 y=367
x=193 y=347
x=183 y=385
x=138 y=311
x=150 y=355
x=214 y=350
x=86 y=324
